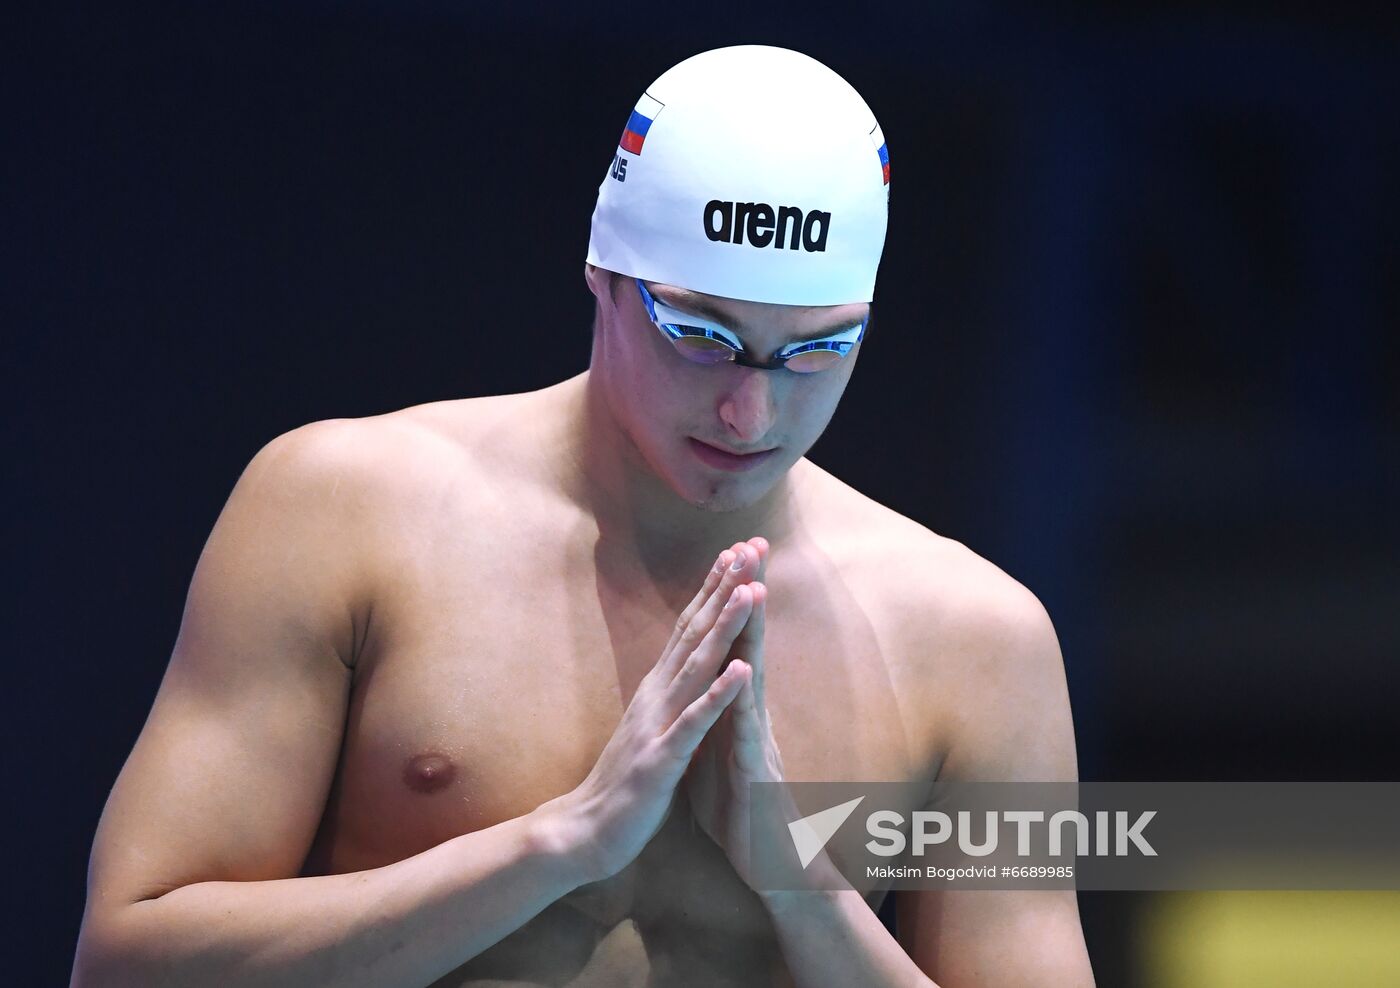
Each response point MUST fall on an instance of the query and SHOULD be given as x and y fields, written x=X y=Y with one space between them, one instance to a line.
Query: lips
x=722 y=459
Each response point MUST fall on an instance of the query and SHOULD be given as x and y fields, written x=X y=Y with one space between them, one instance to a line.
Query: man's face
x=678 y=414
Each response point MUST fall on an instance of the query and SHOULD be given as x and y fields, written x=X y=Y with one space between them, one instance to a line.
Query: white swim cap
x=751 y=173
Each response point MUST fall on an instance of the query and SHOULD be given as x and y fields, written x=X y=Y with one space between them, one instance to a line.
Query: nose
x=748 y=407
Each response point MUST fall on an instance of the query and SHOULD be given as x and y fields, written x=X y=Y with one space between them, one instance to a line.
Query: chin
x=722 y=502
x=723 y=495
x=712 y=491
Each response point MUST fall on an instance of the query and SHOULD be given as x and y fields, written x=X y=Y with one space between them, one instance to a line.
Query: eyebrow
x=692 y=304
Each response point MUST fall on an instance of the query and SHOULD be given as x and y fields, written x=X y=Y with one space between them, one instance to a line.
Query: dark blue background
x=1137 y=339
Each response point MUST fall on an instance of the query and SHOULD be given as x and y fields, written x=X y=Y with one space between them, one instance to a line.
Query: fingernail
x=739 y=561
x=719 y=563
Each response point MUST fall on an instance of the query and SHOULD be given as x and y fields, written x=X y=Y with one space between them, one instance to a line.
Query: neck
x=636 y=512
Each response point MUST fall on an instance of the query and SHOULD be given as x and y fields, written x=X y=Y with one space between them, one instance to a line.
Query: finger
x=712 y=581
x=764 y=550
x=756 y=752
x=704 y=662
x=749 y=734
x=680 y=740
x=749 y=645
x=703 y=621
x=695 y=621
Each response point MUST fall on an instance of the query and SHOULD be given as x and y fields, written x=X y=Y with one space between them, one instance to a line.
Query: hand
x=702 y=777
x=624 y=800
x=740 y=749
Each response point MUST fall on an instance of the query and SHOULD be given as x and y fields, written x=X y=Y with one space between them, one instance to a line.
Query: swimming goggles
x=704 y=342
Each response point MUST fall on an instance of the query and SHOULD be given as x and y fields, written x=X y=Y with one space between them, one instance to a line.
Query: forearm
x=405 y=924
x=833 y=938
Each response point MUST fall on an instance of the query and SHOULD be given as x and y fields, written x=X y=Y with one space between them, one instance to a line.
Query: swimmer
x=471 y=693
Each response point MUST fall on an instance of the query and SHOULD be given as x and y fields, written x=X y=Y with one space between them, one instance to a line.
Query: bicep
x=229 y=776
x=1012 y=724
x=979 y=938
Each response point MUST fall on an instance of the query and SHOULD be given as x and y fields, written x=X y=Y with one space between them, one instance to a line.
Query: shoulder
x=398 y=457
x=346 y=489
x=928 y=586
x=975 y=645
x=329 y=511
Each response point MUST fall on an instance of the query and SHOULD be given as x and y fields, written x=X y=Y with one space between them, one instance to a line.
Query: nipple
x=429 y=772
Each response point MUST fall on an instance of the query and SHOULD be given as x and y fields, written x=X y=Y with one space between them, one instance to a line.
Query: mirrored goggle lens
x=811 y=361
x=703 y=349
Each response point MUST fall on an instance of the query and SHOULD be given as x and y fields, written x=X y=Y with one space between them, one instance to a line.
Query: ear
x=598 y=281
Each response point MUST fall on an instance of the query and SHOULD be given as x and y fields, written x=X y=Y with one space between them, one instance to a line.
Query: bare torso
x=506 y=639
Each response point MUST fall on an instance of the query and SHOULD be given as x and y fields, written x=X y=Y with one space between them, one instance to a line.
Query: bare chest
x=484 y=697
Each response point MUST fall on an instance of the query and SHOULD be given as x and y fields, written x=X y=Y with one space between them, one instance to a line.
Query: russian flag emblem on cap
x=877 y=137
x=634 y=135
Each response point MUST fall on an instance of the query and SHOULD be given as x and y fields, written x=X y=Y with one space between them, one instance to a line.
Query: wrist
x=786 y=901
x=559 y=831
x=819 y=879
